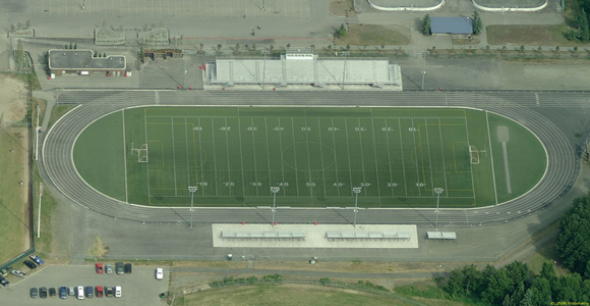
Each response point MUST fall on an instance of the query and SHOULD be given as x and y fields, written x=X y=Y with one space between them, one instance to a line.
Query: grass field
x=316 y=156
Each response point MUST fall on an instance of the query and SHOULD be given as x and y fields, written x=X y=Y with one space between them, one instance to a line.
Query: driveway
x=138 y=288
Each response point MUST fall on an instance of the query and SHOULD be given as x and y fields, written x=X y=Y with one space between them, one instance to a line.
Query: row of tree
x=515 y=284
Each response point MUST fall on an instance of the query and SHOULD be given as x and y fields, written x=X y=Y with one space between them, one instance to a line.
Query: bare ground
x=13 y=101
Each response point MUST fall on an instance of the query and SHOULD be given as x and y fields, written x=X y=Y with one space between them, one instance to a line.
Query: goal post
x=142 y=154
x=473 y=155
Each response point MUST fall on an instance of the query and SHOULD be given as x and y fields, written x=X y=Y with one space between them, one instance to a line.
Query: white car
x=118 y=291
x=159 y=273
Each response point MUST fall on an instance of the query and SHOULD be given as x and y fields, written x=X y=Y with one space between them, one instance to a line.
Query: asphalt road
x=562 y=165
x=138 y=288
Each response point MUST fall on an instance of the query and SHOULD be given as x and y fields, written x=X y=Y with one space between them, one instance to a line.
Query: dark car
x=63 y=293
x=43 y=292
x=36 y=259
x=4 y=282
x=30 y=264
x=33 y=293
x=128 y=268
x=109 y=291
x=119 y=267
x=89 y=291
x=52 y=292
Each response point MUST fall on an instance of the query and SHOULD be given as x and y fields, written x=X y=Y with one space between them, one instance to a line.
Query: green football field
x=315 y=156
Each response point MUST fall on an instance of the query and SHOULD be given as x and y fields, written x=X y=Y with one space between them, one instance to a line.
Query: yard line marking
x=268 y=152
x=362 y=153
x=227 y=153
x=348 y=148
x=254 y=150
x=173 y=154
x=282 y=159
x=241 y=154
x=200 y=156
x=322 y=155
x=470 y=164
x=389 y=157
x=214 y=155
x=335 y=159
x=148 y=163
x=443 y=157
x=375 y=151
x=399 y=123
x=416 y=159
x=492 y=159
x=188 y=170
x=429 y=159
x=125 y=157
x=295 y=155
x=308 y=160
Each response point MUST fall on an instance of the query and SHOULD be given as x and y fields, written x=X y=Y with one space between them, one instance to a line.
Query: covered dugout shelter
x=451 y=26
x=82 y=62
x=300 y=69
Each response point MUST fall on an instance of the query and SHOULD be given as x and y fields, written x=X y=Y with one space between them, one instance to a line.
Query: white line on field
x=214 y=155
x=241 y=154
x=227 y=153
x=429 y=160
x=470 y=164
x=124 y=157
x=201 y=158
x=348 y=149
x=295 y=156
x=268 y=152
x=416 y=159
x=148 y=162
x=283 y=159
x=322 y=155
x=173 y=154
x=362 y=153
x=376 y=161
x=188 y=168
x=335 y=156
x=308 y=159
x=254 y=151
x=389 y=156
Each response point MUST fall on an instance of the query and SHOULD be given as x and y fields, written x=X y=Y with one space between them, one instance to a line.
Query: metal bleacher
x=263 y=235
x=368 y=235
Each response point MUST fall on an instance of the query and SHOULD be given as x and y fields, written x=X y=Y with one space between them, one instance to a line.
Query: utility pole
x=356 y=191
x=438 y=191
x=344 y=70
x=274 y=191
x=192 y=190
x=424 y=53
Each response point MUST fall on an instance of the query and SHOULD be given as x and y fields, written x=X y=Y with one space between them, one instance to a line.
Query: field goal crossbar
x=473 y=155
x=142 y=153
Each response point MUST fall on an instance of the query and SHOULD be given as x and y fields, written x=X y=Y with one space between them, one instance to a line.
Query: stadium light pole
x=274 y=191
x=264 y=52
x=356 y=191
x=424 y=53
x=192 y=190
x=438 y=191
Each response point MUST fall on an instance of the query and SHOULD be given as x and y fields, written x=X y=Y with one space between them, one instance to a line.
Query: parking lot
x=138 y=288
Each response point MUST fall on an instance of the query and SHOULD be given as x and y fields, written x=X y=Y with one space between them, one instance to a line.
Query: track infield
x=398 y=156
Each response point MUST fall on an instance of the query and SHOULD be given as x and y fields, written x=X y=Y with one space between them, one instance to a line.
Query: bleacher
x=263 y=235
x=441 y=235
x=333 y=236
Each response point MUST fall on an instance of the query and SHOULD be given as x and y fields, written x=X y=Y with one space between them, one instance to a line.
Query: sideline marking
x=173 y=154
x=125 y=157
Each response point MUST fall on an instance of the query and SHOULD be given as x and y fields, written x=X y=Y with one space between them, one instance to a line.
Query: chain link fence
x=18 y=258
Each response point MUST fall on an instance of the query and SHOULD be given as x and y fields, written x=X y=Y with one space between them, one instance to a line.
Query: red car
x=99 y=268
x=99 y=292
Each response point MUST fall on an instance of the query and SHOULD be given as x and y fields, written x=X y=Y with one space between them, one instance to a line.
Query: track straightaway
x=562 y=167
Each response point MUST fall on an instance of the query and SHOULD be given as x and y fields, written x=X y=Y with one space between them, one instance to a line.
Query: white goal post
x=142 y=153
x=473 y=155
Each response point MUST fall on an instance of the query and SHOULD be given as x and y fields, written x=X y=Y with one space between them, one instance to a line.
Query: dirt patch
x=342 y=8
x=98 y=249
x=13 y=101
x=375 y=35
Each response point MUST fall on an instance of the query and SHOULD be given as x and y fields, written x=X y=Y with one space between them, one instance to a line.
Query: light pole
x=356 y=191
x=274 y=191
x=424 y=53
x=264 y=70
x=192 y=190
x=438 y=191
x=184 y=74
x=344 y=70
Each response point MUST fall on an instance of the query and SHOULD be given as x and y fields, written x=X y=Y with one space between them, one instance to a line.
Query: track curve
x=58 y=145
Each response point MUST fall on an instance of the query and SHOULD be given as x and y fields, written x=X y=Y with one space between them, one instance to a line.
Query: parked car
x=4 y=282
x=30 y=264
x=118 y=291
x=109 y=291
x=63 y=293
x=37 y=259
x=99 y=292
x=98 y=268
x=52 y=292
x=71 y=291
x=119 y=267
x=127 y=268
x=89 y=291
x=18 y=273
x=3 y=272
x=43 y=292
x=159 y=273
x=80 y=292
x=108 y=269
x=34 y=293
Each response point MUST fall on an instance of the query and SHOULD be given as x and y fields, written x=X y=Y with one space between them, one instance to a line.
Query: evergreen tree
x=527 y=300
x=584 y=33
x=573 y=245
x=477 y=24
x=426 y=25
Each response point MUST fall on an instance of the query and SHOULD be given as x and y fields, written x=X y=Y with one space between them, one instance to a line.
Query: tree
x=540 y=49
x=75 y=46
x=253 y=47
x=527 y=300
x=573 y=245
x=104 y=55
x=518 y=272
x=426 y=25
x=584 y=33
x=347 y=47
x=201 y=47
x=271 y=47
x=557 y=49
x=542 y=291
x=329 y=47
x=237 y=47
x=342 y=31
x=218 y=47
x=71 y=46
x=477 y=24
x=521 y=48
x=382 y=47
